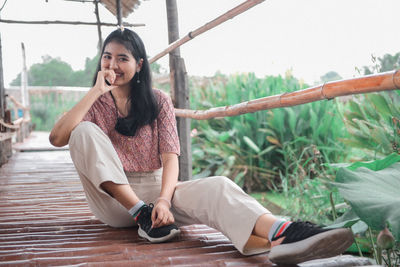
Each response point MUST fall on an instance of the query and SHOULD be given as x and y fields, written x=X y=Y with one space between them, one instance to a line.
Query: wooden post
x=2 y=89
x=119 y=12
x=179 y=92
x=5 y=145
x=24 y=79
x=96 y=11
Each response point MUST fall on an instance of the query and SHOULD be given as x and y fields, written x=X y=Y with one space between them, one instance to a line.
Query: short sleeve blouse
x=139 y=153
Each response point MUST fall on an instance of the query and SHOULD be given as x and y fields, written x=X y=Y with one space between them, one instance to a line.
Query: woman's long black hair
x=144 y=108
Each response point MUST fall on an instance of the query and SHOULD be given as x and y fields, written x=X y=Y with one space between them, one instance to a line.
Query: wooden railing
x=19 y=126
x=367 y=84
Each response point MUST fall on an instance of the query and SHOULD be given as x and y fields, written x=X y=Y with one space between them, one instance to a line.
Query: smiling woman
x=124 y=144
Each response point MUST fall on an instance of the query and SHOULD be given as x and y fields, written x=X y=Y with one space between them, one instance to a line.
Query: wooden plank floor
x=45 y=221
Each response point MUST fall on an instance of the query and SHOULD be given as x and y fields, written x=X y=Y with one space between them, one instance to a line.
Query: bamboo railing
x=367 y=84
x=20 y=126
x=208 y=26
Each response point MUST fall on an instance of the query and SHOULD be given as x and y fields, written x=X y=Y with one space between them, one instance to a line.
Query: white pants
x=215 y=201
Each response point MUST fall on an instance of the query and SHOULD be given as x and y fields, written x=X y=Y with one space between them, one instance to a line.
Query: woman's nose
x=113 y=64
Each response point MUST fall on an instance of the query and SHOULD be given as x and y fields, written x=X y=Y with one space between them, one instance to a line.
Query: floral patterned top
x=139 y=153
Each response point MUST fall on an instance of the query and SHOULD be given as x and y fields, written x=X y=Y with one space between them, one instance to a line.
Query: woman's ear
x=139 y=65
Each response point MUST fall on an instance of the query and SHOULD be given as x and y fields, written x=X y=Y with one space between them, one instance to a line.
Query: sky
x=308 y=37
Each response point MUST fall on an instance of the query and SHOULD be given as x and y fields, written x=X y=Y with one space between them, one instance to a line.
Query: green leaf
x=348 y=219
x=373 y=195
x=239 y=179
x=377 y=164
x=251 y=144
x=224 y=136
x=380 y=104
x=265 y=151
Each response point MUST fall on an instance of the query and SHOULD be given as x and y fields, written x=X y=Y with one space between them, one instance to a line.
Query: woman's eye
x=106 y=57
x=123 y=59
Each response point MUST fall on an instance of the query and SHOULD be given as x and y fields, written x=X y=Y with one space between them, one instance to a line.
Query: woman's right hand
x=101 y=84
x=61 y=131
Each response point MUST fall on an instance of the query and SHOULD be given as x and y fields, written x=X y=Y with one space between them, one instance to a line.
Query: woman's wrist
x=164 y=199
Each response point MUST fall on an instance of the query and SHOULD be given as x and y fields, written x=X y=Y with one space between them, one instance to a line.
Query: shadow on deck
x=44 y=220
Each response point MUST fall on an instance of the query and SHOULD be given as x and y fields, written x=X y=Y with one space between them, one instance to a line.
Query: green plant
x=257 y=149
x=48 y=107
x=373 y=122
x=371 y=189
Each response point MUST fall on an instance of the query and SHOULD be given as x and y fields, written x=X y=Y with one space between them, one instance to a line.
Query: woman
x=124 y=144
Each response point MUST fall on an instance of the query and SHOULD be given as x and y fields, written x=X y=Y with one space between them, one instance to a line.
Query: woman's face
x=117 y=58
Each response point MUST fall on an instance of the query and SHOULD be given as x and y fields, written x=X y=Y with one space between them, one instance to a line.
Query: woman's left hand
x=161 y=215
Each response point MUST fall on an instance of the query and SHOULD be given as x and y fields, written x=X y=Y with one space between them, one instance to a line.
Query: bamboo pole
x=372 y=83
x=208 y=26
x=96 y=12
x=70 y=23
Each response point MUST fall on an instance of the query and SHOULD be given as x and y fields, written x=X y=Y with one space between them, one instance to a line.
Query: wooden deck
x=44 y=220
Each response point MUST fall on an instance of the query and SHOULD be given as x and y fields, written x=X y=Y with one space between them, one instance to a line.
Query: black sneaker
x=306 y=241
x=154 y=235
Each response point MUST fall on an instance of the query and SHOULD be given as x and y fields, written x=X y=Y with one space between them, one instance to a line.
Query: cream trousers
x=215 y=201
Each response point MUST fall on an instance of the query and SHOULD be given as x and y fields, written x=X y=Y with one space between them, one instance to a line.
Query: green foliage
x=373 y=122
x=381 y=64
x=372 y=192
x=330 y=76
x=47 y=108
x=371 y=189
x=55 y=72
x=259 y=149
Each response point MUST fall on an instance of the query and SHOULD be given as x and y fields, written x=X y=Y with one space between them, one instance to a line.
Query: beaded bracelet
x=165 y=199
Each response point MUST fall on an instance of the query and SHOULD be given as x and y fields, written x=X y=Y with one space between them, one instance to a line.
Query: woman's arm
x=61 y=131
x=161 y=213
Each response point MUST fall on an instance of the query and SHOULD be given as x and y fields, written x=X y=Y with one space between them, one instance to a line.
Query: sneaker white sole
x=172 y=234
x=323 y=245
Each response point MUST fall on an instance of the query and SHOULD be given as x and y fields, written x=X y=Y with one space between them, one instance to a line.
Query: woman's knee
x=220 y=182
x=83 y=128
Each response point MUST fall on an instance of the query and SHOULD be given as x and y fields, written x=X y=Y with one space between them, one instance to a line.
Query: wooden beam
x=2 y=89
x=96 y=11
x=5 y=142
x=70 y=23
x=208 y=26
x=179 y=92
x=119 y=12
x=372 y=83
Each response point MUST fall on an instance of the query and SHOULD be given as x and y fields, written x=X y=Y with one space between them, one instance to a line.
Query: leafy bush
x=371 y=189
x=373 y=121
x=258 y=150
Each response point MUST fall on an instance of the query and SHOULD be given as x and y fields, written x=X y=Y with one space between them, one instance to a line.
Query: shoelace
x=299 y=231
x=144 y=217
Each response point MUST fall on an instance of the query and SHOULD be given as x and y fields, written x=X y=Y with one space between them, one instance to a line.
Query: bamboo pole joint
x=396 y=79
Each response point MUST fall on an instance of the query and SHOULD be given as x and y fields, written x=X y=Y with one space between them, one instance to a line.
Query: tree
x=386 y=63
x=330 y=76
x=55 y=72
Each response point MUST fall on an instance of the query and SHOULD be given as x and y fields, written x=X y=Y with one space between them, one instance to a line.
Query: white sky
x=311 y=37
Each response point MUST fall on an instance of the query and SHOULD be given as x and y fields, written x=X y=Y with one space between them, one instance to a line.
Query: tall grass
x=286 y=150
x=258 y=149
